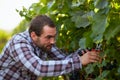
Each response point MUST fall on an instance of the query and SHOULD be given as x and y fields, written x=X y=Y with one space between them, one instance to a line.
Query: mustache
x=51 y=45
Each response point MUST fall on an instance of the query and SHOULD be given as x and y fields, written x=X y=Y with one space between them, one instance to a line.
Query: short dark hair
x=39 y=22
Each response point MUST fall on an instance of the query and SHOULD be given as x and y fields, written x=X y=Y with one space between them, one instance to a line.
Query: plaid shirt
x=21 y=59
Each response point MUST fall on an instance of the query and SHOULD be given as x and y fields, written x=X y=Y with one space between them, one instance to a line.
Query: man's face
x=47 y=38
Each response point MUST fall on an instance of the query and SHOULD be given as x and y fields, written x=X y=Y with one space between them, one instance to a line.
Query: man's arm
x=23 y=52
x=56 y=54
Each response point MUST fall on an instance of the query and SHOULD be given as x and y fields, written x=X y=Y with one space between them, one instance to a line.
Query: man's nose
x=52 y=41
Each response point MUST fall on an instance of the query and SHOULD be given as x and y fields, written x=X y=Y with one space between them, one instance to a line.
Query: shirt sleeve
x=22 y=52
x=56 y=54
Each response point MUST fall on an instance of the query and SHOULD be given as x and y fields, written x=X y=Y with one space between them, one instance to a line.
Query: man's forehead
x=49 y=30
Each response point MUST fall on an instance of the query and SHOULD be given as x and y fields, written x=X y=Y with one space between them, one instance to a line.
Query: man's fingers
x=90 y=57
x=92 y=61
x=94 y=57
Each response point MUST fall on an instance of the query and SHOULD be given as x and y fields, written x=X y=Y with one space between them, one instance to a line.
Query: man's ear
x=33 y=36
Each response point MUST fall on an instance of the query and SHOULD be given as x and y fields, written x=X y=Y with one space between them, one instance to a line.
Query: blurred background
x=9 y=18
x=80 y=24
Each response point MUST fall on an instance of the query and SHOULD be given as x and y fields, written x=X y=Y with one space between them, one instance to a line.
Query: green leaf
x=119 y=70
x=105 y=73
x=104 y=11
x=82 y=20
x=43 y=10
x=89 y=42
x=77 y=3
x=82 y=1
x=89 y=69
x=44 y=1
x=82 y=43
x=99 y=23
x=111 y=32
x=100 y=3
x=98 y=27
x=104 y=62
x=98 y=38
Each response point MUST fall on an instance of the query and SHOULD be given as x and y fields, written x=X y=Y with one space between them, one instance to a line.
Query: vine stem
x=100 y=70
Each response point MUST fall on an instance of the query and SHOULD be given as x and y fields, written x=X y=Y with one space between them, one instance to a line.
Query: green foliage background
x=83 y=24
x=4 y=37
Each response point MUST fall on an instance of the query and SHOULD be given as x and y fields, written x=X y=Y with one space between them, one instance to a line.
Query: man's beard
x=44 y=49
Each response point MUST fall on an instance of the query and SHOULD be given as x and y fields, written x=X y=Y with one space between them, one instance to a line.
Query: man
x=33 y=53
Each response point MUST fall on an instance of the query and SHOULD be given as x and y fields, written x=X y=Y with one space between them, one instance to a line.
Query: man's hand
x=90 y=57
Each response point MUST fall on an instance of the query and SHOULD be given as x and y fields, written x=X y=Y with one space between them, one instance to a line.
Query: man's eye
x=48 y=37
